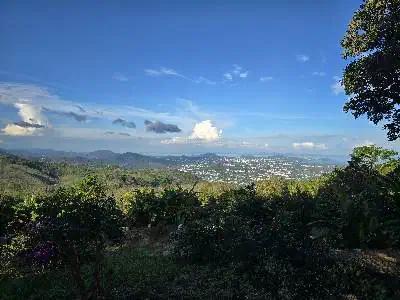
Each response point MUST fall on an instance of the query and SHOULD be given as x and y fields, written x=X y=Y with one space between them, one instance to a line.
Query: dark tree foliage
x=372 y=78
x=73 y=225
x=278 y=239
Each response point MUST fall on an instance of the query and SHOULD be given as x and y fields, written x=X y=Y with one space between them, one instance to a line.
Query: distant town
x=243 y=170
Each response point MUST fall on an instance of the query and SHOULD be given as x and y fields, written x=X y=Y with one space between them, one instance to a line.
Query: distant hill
x=140 y=161
x=24 y=175
x=107 y=157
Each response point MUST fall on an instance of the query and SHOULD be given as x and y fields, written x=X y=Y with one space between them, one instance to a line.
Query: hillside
x=23 y=175
x=18 y=174
x=240 y=170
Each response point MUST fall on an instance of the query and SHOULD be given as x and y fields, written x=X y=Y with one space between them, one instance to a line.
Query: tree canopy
x=372 y=77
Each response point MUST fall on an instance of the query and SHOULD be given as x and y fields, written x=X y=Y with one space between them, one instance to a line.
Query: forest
x=163 y=237
x=84 y=231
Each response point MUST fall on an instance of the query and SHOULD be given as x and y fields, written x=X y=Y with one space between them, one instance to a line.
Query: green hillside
x=24 y=176
x=20 y=175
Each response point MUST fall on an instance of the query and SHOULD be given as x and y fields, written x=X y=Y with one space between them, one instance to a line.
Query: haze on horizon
x=170 y=78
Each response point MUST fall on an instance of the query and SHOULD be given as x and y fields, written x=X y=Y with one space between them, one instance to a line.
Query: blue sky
x=177 y=77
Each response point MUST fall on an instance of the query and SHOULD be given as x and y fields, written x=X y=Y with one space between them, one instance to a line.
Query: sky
x=174 y=77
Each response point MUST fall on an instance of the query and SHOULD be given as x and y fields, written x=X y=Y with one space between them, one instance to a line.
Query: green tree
x=78 y=221
x=372 y=78
x=372 y=156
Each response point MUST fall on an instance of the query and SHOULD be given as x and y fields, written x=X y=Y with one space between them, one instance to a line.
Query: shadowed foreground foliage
x=278 y=239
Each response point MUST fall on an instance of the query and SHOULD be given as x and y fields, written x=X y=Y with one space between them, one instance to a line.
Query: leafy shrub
x=172 y=206
x=359 y=206
x=75 y=224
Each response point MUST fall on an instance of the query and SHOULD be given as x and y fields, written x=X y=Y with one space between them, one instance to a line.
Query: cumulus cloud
x=15 y=130
x=302 y=57
x=31 y=124
x=68 y=114
x=309 y=146
x=120 y=77
x=159 y=127
x=37 y=103
x=266 y=78
x=30 y=113
x=125 y=123
x=38 y=97
x=202 y=132
x=321 y=74
x=32 y=100
x=337 y=87
x=205 y=130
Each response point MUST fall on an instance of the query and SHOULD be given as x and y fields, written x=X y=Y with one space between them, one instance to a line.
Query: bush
x=73 y=225
x=172 y=206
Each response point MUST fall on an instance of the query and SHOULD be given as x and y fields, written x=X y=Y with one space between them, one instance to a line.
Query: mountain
x=140 y=161
x=105 y=155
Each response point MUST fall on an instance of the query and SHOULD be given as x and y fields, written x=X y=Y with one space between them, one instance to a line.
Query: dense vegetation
x=371 y=79
x=89 y=232
x=25 y=176
x=279 y=238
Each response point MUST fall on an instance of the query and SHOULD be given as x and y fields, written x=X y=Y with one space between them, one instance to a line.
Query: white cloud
x=30 y=114
x=30 y=101
x=164 y=72
x=247 y=144
x=120 y=77
x=205 y=130
x=152 y=72
x=228 y=76
x=205 y=80
x=236 y=72
x=1 y=141
x=15 y=130
x=202 y=132
x=237 y=69
x=337 y=87
x=193 y=109
x=175 y=140
x=37 y=97
x=244 y=74
x=171 y=72
x=266 y=78
x=302 y=57
x=321 y=74
x=309 y=146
